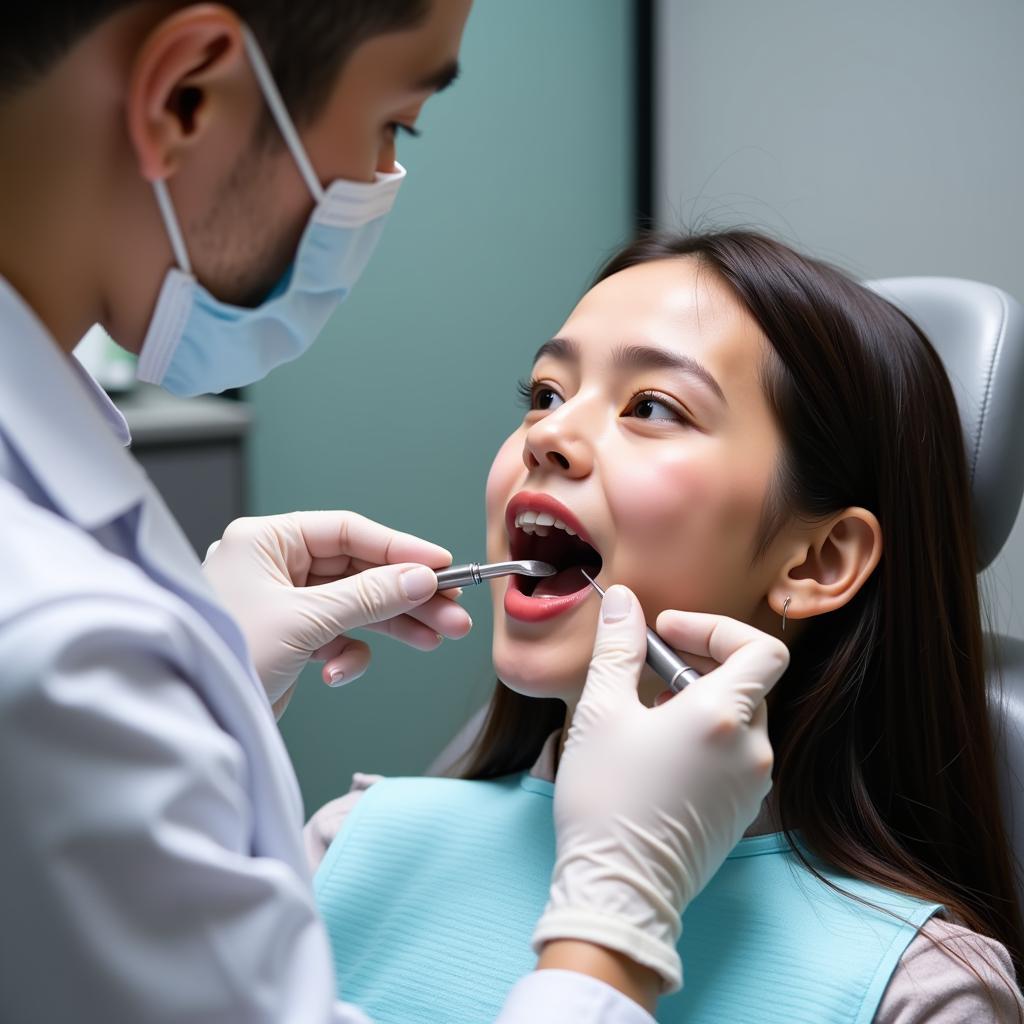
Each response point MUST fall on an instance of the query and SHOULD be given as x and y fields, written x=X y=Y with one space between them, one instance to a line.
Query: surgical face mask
x=197 y=344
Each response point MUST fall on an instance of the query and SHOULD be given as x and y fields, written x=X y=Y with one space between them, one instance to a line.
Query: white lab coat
x=151 y=862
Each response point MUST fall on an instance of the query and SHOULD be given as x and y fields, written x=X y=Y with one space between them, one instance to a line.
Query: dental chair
x=978 y=331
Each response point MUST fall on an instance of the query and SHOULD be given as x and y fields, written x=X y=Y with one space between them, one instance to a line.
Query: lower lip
x=538 y=609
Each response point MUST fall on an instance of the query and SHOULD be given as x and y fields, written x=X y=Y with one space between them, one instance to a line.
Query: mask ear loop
x=279 y=112
x=163 y=200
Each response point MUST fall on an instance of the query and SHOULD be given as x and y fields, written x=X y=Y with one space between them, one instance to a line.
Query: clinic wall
x=886 y=137
x=519 y=187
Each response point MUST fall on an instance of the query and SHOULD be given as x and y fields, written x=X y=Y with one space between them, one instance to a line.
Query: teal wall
x=518 y=189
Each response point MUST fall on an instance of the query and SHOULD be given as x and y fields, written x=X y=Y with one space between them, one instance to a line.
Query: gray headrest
x=978 y=331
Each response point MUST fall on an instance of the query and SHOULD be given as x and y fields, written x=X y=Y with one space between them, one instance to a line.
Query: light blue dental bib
x=432 y=889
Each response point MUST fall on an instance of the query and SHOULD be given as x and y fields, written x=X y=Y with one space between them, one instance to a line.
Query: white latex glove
x=650 y=801
x=297 y=583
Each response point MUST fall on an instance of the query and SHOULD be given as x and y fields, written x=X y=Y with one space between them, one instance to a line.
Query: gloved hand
x=650 y=801
x=297 y=583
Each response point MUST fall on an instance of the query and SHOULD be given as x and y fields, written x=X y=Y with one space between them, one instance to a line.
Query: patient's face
x=650 y=437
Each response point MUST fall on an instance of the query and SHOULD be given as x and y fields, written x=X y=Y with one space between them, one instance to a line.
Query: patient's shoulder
x=326 y=823
x=949 y=974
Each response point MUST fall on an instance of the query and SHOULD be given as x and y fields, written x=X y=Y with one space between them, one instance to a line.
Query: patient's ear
x=828 y=564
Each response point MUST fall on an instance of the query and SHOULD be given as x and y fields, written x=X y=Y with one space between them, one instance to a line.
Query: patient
x=726 y=426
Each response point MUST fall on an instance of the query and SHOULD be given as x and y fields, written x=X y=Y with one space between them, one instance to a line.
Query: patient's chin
x=526 y=671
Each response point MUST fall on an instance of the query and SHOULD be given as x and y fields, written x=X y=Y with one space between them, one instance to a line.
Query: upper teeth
x=540 y=522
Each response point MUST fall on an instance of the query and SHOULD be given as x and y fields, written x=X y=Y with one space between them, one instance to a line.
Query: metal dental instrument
x=668 y=665
x=472 y=573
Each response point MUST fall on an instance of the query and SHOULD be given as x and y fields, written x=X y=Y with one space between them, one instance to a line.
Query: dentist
x=208 y=181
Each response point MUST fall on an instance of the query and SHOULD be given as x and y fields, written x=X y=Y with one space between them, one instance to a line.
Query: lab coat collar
x=71 y=439
x=60 y=422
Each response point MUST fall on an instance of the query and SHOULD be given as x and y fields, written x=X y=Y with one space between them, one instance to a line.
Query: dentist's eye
x=535 y=395
x=654 y=407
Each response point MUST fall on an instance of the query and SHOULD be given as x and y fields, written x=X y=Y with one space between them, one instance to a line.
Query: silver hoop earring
x=785 y=608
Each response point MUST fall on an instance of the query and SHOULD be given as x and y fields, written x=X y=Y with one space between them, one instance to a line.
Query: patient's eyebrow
x=559 y=348
x=644 y=357
x=637 y=357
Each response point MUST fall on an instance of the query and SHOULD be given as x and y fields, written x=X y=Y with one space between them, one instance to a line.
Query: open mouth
x=542 y=528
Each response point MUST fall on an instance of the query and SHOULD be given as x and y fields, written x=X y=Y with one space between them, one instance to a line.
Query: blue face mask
x=197 y=344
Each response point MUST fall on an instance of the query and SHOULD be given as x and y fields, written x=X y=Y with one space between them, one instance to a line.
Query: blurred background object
x=108 y=363
x=194 y=450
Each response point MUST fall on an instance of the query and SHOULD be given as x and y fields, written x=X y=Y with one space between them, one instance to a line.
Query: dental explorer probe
x=665 y=662
x=472 y=573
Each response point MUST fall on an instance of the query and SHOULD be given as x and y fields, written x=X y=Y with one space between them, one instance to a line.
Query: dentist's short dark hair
x=306 y=42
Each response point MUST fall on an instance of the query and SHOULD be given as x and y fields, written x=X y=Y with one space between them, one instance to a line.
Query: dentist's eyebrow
x=439 y=80
x=642 y=357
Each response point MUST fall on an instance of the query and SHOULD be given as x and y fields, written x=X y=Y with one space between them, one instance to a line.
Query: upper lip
x=540 y=502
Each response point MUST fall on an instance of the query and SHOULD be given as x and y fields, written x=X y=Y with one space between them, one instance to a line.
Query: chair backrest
x=978 y=331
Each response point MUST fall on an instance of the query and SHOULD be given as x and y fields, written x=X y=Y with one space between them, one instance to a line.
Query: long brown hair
x=884 y=756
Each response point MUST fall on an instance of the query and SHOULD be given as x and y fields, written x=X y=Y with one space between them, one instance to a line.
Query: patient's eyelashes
x=536 y=395
x=652 y=406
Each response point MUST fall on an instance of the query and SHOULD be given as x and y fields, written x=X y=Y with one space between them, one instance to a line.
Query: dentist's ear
x=191 y=67
x=828 y=565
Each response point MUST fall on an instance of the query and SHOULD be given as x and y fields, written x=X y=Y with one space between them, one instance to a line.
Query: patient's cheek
x=506 y=468
x=662 y=498
x=684 y=528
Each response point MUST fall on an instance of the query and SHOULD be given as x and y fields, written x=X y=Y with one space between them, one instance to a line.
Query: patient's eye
x=649 y=406
x=546 y=398
x=535 y=395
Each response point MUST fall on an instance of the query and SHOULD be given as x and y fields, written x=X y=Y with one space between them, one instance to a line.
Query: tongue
x=568 y=581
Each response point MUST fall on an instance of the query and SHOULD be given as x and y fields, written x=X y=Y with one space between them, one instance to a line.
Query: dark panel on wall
x=644 y=93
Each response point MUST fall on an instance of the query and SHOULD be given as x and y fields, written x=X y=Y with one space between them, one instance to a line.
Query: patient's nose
x=556 y=442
